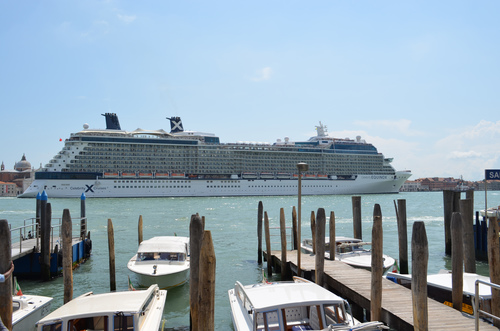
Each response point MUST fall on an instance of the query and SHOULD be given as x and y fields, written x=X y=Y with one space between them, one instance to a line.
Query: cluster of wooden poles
x=459 y=237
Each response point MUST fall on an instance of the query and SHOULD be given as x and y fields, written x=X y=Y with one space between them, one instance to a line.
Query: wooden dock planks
x=354 y=285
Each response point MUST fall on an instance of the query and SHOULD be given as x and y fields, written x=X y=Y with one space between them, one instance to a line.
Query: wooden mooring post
x=494 y=262
x=313 y=231
x=284 y=273
x=296 y=245
x=451 y=200
x=457 y=261
x=196 y=229
x=402 y=235
x=467 y=216
x=320 y=246
x=376 y=265
x=268 y=246
x=333 y=244
x=419 y=263
x=6 y=268
x=202 y=276
x=259 y=232
x=111 y=248
x=67 y=258
x=206 y=286
x=356 y=217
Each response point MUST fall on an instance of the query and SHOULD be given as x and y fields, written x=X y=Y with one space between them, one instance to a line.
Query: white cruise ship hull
x=142 y=188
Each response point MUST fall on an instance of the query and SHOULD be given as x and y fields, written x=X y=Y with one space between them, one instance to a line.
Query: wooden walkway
x=25 y=247
x=354 y=285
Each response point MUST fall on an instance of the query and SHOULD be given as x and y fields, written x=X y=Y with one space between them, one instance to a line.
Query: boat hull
x=32 y=308
x=113 y=188
x=164 y=281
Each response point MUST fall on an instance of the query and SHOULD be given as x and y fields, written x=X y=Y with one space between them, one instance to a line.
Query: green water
x=233 y=225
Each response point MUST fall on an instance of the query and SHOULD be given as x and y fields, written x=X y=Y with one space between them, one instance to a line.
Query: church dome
x=23 y=164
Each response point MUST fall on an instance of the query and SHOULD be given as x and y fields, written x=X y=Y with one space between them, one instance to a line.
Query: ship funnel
x=112 y=122
x=175 y=124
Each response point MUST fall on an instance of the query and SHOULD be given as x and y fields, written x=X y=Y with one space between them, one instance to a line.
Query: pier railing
x=478 y=311
x=30 y=230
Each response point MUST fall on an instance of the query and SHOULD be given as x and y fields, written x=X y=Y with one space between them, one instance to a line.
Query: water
x=233 y=225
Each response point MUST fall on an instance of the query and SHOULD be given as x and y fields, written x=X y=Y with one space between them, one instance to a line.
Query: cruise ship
x=114 y=163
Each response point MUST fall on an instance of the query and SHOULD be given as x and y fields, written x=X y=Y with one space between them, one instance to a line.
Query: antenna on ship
x=175 y=124
x=112 y=122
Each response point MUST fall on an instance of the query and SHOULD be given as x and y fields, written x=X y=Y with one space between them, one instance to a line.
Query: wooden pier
x=354 y=285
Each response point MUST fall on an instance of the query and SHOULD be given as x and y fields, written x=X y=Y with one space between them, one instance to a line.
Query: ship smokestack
x=112 y=122
x=175 y=124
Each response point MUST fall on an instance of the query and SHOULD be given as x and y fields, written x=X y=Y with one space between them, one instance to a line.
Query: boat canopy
x=285 y=294
x=166 y=244
x=90 y=304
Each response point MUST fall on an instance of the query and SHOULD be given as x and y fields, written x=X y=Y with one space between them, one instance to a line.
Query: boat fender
x=88 y=247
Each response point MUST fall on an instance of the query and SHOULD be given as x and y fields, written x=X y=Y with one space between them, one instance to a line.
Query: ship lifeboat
x=128 y=174
x=283 y=175
x=310 y=176
x=178 y=175
x=266 y=175
x=161 y=175
x=145 y=174
x=249 y=175
x=110 y=174
x=322 y=176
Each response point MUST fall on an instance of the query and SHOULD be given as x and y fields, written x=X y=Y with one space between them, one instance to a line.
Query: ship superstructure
x=112 y=162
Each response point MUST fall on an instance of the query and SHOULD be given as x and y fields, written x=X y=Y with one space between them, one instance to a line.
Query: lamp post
x=301 y=166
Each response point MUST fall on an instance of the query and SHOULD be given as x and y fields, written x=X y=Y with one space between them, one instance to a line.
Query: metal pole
x=299 y=225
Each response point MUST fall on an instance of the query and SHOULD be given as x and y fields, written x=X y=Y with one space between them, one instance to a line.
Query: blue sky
x=418 y=79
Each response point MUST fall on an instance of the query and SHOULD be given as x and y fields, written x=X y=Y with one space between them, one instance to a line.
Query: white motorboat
x=140 y=310
x=27 y=310
x=350 y=251
x=161 y=260
x=298 y=305
x=439 y=288
x=491 y=212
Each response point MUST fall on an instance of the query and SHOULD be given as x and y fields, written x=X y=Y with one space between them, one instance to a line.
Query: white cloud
x=263 y=74
x=126 y=18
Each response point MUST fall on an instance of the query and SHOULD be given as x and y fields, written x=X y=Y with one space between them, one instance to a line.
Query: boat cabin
x=117 y=311
x=290 y=307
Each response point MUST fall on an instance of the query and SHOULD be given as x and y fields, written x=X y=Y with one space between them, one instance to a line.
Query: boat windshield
x=335 y=314
x=88 y=323
x=52 y=327
x=162 y=256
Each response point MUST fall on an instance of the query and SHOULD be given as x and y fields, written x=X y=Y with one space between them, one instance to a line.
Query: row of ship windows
x=147 y=186
x=217 y=186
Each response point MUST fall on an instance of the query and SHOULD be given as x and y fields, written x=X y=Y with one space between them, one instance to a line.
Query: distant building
x=491 y=185
x=441 y=184
x=412 y=186
x=16 y=181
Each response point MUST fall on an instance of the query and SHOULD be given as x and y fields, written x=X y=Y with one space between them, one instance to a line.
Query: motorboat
x=297 y=305
x=350 y=251
x=27 y=310
x=491 y=212
x=140 y=310
x=161 y=260
x=439 y=288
